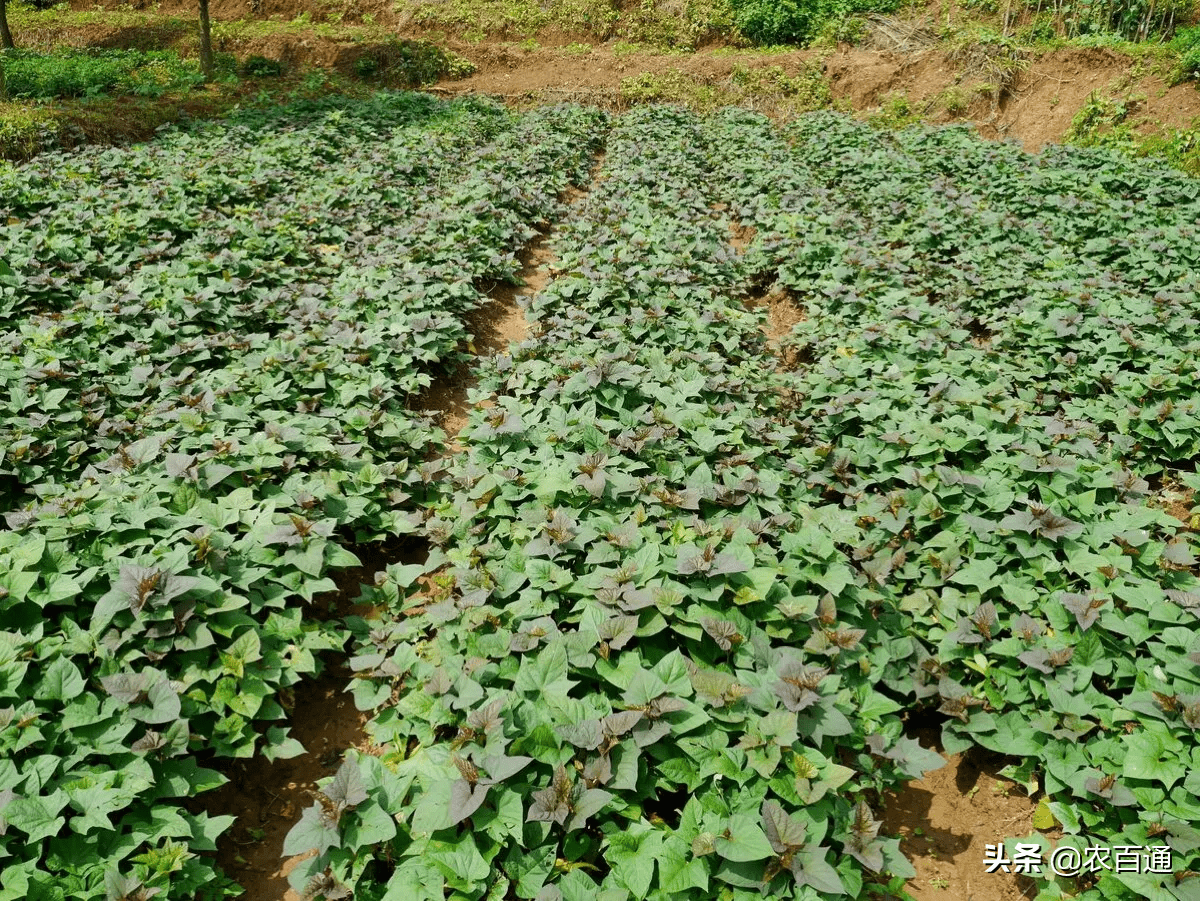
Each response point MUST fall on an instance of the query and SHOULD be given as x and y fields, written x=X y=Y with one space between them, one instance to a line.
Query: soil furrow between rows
x=268 y=797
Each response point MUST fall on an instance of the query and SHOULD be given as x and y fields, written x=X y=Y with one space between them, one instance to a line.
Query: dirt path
x=493 y=327
x=945 y=819
x=782 y=310
x=268 y=797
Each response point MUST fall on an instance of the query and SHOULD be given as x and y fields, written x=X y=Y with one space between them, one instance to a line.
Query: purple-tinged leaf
x=810 y=868
x=587 y=734
x=618 y=630
x=1038 y=658
x=1086 y=607
x=1109 y=788
x=726 y=563
x=633 y=599
x=723 y=632
x=598 y=771
x=347 y=788
x=182 y=465
x=914 y=760
x=783 y=832
x=325 y=885
x=127 y=888
x=486 y=719
x=1179 y=554
x=1028 y=628
x=798 y=685
x=1189 y=600
x=552 y=805
x=617 y=724
x=128 y=688
x=465 y=799
x=439 y=683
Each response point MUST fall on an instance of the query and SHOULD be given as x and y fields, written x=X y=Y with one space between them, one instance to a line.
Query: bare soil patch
x=740 y=236
x=945 y=819
x=1179 y=501
x=494 y=327
x=268 y=798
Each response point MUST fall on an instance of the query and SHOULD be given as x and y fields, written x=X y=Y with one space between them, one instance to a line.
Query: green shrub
x=842 y=29
x=93 y=73
x=798 y=21
x=1040 y=31
x=413 y=63
x=261 y=67
x=366 y=67
x=1130 y=20
x=1187 y=43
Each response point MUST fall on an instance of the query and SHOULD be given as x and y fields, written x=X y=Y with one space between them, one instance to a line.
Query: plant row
x=998 y=387
x=624 y=682
x=207 y=387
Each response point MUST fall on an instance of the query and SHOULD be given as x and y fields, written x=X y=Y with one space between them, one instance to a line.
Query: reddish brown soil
x=782 y=316
x=945 y=819
x=1180 y=502
x=493 y=327
x=1036 y=108
x=268 y=798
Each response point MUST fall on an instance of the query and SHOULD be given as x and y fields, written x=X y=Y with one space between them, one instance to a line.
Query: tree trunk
x=206 y=54
x=6 y=41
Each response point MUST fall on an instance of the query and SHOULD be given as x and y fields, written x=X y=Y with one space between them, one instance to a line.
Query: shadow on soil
x=266 y=797
x=945 y=819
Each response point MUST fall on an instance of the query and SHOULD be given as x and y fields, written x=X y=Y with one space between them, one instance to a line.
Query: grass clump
x=955 y=100
x=896 y=111
x=410 y=63
x=26 y=131
x=1109 y=123
x=674 y=26
x=768 y=89
x=517 y=18
x=34 y=75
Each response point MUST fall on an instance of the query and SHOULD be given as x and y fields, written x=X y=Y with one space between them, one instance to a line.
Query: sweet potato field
x=688 y=589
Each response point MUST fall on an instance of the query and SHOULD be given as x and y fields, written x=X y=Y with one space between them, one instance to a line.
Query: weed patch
x=767 y=88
